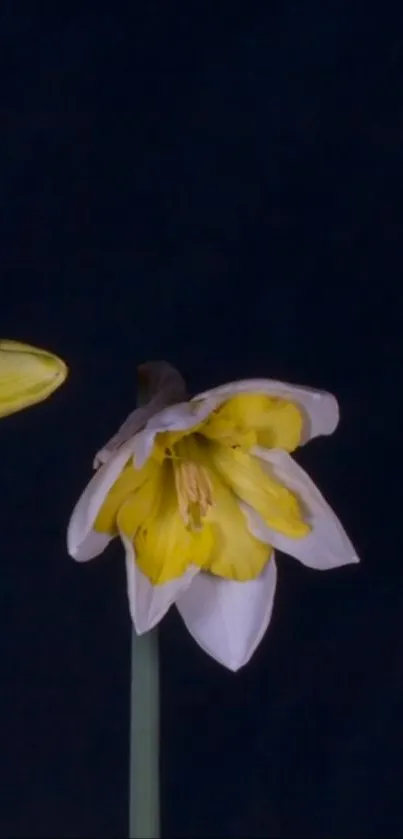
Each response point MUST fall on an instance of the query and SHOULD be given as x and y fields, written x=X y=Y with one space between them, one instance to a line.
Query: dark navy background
x=218 y=184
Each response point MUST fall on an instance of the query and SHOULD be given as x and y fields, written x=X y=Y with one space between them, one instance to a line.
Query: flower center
x=192 y=484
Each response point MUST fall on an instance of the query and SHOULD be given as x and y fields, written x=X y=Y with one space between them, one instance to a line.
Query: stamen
x=194 y=491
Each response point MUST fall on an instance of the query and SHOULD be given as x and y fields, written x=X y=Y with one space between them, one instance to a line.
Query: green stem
x=144 y=817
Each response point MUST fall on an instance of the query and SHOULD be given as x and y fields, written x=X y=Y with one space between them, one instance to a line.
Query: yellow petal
x=236 y=554
x=164 y=546
x=27 y=375
x=279 y=507
x=166 y=440
x=248 y=419
x=128 y=484
x=225 y=427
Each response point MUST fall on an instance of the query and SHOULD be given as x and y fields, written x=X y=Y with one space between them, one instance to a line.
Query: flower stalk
x=144 y=770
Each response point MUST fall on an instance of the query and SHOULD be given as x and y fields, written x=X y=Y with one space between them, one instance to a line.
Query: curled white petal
x=148 y=604
x=131 y=426
x=319 y=408
x=82 y=542
x=165 y=386
x=327 y=545
x=228 y=619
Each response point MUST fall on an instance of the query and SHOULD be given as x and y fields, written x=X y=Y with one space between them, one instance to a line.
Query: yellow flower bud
x=27 y=375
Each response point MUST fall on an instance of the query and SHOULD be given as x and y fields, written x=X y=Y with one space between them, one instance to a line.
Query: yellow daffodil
x=201 y=491
x=27 y=376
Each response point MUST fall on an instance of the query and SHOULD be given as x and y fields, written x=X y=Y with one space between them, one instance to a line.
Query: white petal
x=180 y=417
x=165 y=386
x=228 y=619
x=148 y=604
x=320 y=409
x=82 y=542
x=327 y=546
x=131 y=426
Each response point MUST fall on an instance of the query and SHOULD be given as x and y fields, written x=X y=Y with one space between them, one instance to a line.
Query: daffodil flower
x=27 y=375
x=201 y=493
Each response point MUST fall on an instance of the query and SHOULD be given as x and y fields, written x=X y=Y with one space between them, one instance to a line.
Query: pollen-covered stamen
x=193 y=490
